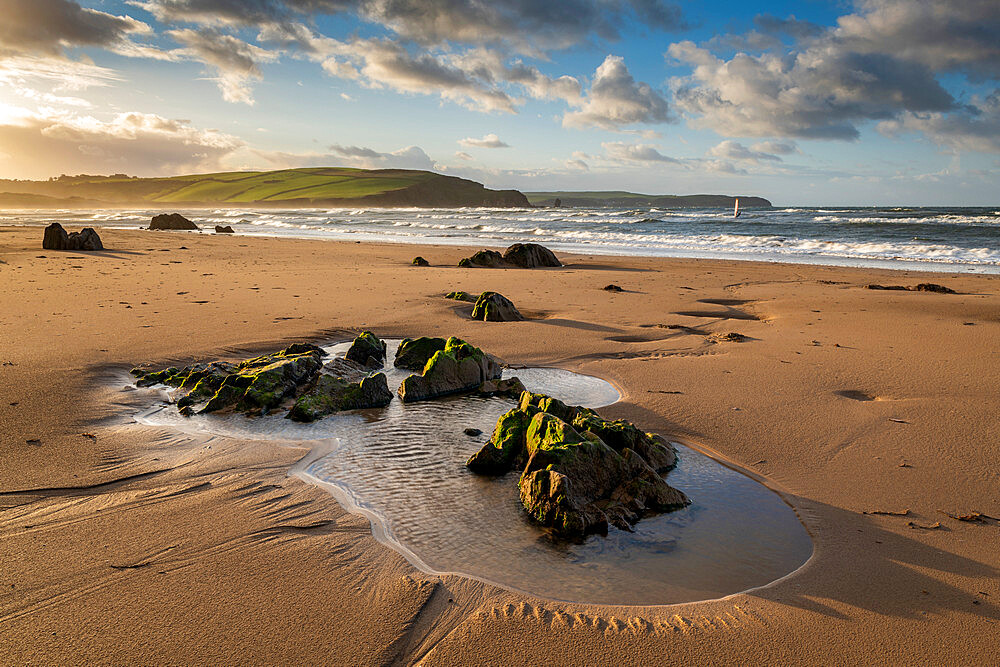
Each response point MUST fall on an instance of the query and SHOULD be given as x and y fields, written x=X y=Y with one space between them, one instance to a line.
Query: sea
x=948 y=239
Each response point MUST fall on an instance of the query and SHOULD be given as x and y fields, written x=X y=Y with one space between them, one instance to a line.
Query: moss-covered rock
x=495 y=307
x=490 y=259
x=334 y=394
x=461 y=296
x=414 y=353
x=574 y=481
x=505 y=448
x=459 y=367
x=367 y=350
x=530 y=256
x=420 y=261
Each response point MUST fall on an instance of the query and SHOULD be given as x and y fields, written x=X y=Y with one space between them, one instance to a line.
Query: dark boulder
x=875 y=286
x=171 y=221
x=472 y=432
x=55 y=237
x=335 y=394
x=508 y=388
x=461 y=296
x=414 y=353
x=612 y=288
x=420 y=261
x=490 y=259
x=459 y=367
x=495 y=307
x=530 y=256
x=224 y=229
x=367 y=350
x=933 y=287
x=580 y=472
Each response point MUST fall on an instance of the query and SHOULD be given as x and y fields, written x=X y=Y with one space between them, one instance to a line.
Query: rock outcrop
x=580 y=472
x=530 y=256
x=922 y=287
x=461 y=296
x=56 y=238
x=495 y=307
x=519 y=256
x=335 y=394
x=224 y=229
x=414 y=353
x=459 y=367
x=171 y=221
x=489 y=259
x=367 y=350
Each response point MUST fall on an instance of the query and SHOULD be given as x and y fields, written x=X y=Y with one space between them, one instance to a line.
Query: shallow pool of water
x=404 y=467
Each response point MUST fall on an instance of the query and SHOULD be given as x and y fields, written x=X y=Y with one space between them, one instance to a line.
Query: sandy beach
x=873 y=414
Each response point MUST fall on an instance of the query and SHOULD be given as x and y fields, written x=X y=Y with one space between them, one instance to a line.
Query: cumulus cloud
x=527 y=26
x=49 y=26
x=411 y=157
x=50 y=143
x=822 y=92
x=734 y=150
x=462 y=155
x=615 y=99
x=237 y=62
x=976 y=128
x=621 y=151
x=776 y=147
x=487 y=141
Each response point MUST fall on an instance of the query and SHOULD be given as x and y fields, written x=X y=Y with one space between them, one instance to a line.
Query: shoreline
x=909 y=351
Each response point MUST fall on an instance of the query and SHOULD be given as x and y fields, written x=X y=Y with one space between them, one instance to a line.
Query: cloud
x=616 y=99
x=46 y=27
x=734 y=150
x=411 y=157
x=462 y=155
x=776 y=147
x=974 y=129
x=237 y=62
x=621 y=151
x=50 y=143
x=820 y=93
x=790 y=26
x=527 y=26
x=488 y=141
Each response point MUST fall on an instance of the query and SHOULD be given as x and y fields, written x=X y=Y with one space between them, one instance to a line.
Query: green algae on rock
x=459 y=367
x=335 y=394
x=581 y=472
x=461 y=296
x=495 y=307
x=414 y=353
x=367 y=350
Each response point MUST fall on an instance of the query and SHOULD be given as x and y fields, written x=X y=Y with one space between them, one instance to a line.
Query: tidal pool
x=404 y=467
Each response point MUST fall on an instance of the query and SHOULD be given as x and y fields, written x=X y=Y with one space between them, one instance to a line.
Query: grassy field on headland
x=319 y=186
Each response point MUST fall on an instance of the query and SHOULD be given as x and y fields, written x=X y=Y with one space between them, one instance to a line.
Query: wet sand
x=124 y=543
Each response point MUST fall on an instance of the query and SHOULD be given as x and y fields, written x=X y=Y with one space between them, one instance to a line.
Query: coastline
x=318 y=585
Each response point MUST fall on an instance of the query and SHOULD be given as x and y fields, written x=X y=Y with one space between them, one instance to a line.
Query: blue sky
x=877 y=102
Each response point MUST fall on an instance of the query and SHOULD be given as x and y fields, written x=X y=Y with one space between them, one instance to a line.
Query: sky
x=816 y=102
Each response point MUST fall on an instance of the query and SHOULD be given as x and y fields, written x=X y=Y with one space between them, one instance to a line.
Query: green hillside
x=621 y=198
x=320 y=186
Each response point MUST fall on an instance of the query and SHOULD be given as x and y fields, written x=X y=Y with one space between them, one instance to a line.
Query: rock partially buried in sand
x=459 y=367
x=461 y=296
x=729 y=337
x=367 y=350
x=922 y=287
x=420 y=261
x=220 y=229
x=495 y=307
x=530 y=256
x=612 y=288
x=519 y=255
x=56 y=238
x=335 y=394
x=489 y=259
x=171 y=221
x=414 y=353
x=581 y=472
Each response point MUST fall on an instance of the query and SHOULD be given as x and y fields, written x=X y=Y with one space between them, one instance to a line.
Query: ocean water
x=932 y=239
x=403 y=467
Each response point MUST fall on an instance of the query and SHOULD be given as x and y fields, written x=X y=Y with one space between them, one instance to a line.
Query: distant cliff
x=289 y=188
x=616 y=198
